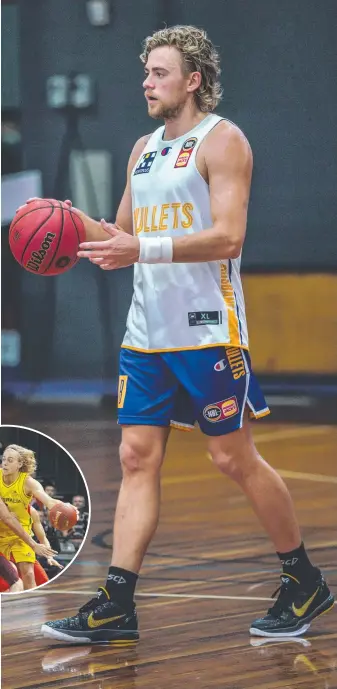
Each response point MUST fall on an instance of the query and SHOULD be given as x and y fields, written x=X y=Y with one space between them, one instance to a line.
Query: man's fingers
x=94 y=245
x=94 y=254
x=110 y=228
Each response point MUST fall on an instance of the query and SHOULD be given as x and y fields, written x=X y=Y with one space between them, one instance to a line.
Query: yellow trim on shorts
x=181 y=427
x=185 y=349
x=259 y=415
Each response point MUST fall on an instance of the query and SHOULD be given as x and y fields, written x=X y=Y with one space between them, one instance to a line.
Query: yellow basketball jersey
x=17 y=502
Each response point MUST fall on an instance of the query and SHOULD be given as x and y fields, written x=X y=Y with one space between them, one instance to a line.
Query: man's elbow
x=230 y=249
x=229 y=244
x=235 y=250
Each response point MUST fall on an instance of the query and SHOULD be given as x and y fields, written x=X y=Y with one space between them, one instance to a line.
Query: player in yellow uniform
x=17 y=487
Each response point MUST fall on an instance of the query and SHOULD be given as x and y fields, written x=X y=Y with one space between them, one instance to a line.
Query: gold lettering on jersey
x=163 y=216
x=138 y=219
x=154 y=227
x=175 y=207
x=187 y=207
x=146 y=226
x=168 y=216
x=236 y=362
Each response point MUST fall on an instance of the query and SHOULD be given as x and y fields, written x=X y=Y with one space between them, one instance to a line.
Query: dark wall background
x=279 y=64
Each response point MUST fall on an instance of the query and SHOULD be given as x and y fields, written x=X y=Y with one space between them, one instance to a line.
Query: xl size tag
x=204 y=317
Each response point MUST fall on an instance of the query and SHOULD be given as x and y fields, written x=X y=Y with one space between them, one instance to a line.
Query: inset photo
x=44 y=509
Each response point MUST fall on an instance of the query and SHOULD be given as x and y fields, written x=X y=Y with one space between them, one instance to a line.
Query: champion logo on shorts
x=220 y=365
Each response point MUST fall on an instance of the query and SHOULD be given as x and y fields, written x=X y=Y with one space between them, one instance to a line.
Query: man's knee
x=138 y=453
x=233 y=455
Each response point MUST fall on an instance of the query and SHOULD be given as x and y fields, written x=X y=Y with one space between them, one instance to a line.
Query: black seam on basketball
x=58 y=242
x=12 y=227
x=75 y=226
x=38 y=228
x=50 y=205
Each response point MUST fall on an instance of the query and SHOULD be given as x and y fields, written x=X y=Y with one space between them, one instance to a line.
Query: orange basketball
x=63 y=516
x=45 y=235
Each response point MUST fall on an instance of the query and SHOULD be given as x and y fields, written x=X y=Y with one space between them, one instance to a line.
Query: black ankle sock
x=297 y=564
x=121 y=586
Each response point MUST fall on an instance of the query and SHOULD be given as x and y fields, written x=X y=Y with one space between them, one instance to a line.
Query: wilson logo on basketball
x=37 y=257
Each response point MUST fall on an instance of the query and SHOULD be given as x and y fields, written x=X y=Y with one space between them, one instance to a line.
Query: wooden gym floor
x=208 y=573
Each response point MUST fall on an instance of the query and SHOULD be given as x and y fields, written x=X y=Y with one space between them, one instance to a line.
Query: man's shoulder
x=226 y=132
x=225 y=144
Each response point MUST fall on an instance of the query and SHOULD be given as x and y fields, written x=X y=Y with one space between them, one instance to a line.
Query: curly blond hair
x=198 y=55
x=29 y=463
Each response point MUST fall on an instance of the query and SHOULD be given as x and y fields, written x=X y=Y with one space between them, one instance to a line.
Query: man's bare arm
x=229 y=163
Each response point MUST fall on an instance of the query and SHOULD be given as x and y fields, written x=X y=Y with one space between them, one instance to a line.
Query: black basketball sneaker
x=99 y=621
x=295 y=608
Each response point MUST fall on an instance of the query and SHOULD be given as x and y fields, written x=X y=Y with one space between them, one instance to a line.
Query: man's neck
x=183 y=124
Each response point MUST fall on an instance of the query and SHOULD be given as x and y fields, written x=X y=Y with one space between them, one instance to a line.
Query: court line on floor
x=298 y=475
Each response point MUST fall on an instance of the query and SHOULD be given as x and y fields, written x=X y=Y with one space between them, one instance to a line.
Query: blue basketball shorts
x=210 y=386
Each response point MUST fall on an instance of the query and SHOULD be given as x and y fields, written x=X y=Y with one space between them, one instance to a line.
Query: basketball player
x=185 y=358
x=9 y=574
x=17 y=487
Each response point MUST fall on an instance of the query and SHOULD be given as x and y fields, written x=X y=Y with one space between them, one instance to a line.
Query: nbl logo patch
x=145 y=163
x=186 y=152
x=220 y=411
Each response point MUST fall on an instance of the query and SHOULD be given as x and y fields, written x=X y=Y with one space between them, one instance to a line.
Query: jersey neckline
x=188 y=134
x=8 y=485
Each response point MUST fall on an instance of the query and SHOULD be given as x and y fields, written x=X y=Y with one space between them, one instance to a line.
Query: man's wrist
x=155 y=250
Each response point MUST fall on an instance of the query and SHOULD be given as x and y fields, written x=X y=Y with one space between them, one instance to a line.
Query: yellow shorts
x=16 y=548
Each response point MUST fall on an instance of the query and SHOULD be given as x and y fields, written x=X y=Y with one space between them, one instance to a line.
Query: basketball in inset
x=63 y=516
x=44 y=237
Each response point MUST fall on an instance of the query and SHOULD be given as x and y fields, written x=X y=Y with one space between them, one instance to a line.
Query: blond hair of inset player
x=198 y=55
x=29 y=463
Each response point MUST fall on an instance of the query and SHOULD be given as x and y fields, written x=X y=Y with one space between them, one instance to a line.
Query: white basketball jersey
x=180 y=306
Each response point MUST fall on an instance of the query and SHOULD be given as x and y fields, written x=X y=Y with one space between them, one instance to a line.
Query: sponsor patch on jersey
x=204 y=318
x=166 y=150
x=220 y=411
x=189 y=143
x=145 y=163
x=186 y=152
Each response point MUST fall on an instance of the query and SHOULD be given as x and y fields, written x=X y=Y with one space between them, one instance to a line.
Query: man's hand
x=37 y=198
x=120 y=251
x=43 y=550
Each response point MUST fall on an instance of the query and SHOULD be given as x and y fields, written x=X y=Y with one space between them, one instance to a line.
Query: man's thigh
x=146 y=389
